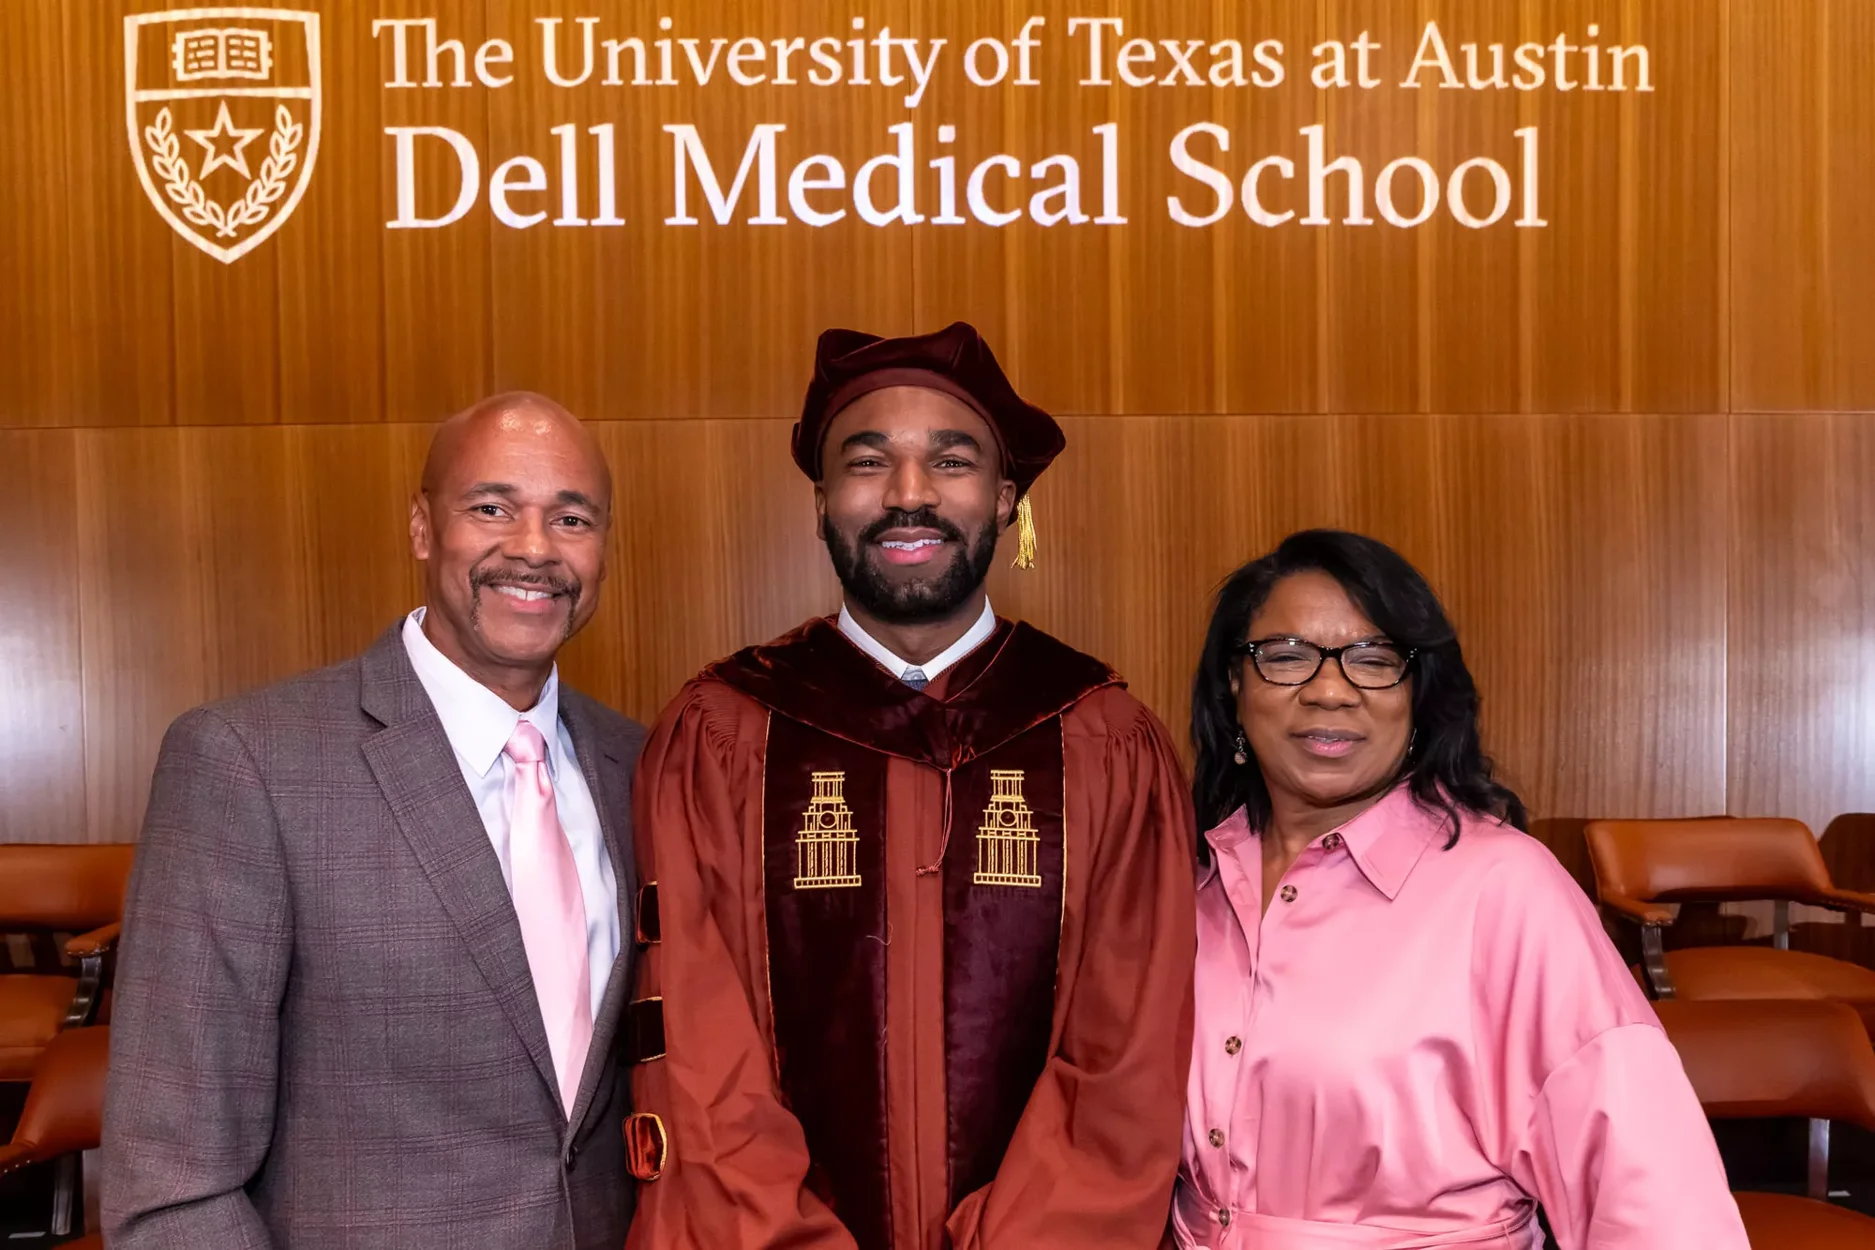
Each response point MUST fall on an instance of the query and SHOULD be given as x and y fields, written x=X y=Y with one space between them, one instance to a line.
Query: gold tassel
x=1025 y=534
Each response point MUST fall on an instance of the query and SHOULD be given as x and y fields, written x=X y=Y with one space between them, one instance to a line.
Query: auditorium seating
x=1643 y=868
x=1808 y=1059
x=47 y=890
x=62 y=1114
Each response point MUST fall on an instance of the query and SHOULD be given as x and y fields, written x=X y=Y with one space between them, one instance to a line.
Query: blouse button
x=1232 y=1045
x=1223 y=1216
x=1289 y=894
x=1217 y=1139
x=1332 y=842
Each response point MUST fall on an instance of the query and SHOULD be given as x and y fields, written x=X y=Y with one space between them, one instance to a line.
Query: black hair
x=1446 y=766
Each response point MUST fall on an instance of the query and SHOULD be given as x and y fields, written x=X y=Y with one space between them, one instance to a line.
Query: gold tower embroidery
x=1007 y=844
x=825 y=848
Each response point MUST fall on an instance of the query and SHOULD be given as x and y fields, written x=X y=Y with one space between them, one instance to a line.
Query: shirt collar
x=1388 y=838
x=1385 y=841
x=478 y=721
x=1225 y=838
x=893 y=664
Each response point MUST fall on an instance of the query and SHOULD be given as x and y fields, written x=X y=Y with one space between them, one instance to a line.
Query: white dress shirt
x=479 y=723
x=972 y=639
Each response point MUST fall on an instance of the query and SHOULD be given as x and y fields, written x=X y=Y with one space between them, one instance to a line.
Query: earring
x=1243 y=750
x=1412 y=741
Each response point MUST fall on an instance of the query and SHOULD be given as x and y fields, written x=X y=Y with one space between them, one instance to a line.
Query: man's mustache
x=919 y=518
x=530 y=579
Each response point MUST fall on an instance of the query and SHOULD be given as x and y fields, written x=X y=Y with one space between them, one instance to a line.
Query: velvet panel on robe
x=1093 y=1154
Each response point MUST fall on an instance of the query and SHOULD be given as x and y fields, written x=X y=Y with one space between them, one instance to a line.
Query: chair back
x=1719 y=858
x=64 y=1108
x=1755 y=1059
x=63 y=888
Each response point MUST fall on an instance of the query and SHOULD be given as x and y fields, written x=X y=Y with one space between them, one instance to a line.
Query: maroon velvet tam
x=955 y=361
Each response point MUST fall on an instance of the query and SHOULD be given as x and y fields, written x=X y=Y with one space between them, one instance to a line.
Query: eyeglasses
x=1296 y=661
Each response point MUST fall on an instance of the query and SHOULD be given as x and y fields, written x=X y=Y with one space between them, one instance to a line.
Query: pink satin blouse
x=1415 y=1045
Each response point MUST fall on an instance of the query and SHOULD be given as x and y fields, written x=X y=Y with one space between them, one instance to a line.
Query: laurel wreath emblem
x=263 y=192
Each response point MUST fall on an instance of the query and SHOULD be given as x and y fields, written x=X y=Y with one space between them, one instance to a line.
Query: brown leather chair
x=1751 y=1060
x=56 y=889
x=61 y=1119
x=1645 y=868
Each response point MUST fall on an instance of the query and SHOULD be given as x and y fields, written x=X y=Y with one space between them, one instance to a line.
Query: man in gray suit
x=379 y=938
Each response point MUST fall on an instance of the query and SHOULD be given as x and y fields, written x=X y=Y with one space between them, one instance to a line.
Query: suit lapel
x=610 y=785
x=417 y=770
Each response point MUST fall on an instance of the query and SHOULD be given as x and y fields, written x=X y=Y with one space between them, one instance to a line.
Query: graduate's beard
x=911 y=602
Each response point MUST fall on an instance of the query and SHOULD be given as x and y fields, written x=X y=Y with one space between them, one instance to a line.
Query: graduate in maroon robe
x=919 y=950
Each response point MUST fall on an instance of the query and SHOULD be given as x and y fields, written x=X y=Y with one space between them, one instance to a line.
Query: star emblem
x=212 y=140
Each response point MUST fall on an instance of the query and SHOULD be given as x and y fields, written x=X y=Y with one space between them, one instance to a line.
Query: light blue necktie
x=915 y=678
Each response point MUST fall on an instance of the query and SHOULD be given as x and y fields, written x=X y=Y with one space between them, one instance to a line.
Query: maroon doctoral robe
x=922 y=960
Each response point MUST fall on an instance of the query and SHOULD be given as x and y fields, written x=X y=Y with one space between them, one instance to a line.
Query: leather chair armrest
x=96 y=942
x=14 y=1156
x=90 y=950
x=1844 y=900
x=1643 y=912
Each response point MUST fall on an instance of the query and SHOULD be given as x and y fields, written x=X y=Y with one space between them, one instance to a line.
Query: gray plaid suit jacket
x=325 y=1034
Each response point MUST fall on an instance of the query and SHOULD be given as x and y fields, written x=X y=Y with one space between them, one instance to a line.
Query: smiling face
x=1326 y=743
x=911 y=501
x=511 y=526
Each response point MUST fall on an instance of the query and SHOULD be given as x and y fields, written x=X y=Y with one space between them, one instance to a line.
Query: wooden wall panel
x=1268 y=335
x=1574 y=342
x=256 y=612
x=194 y=585
x=1617 y=304
x=1471 y=288
x=1373 y=316
x=1675 y=299
x=140 y=635
x=120 y=340
x=656 y=320
x=227 y=340
x=211 y=561
x=33 y=138
x=438 y=353
x=42 y=713
x=1802 y=205
x=578 y=345
x=1801 y=653
x=331 y=272
x=354 y=486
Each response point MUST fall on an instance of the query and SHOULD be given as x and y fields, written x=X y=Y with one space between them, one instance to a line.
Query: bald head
x=520 y=416
x=511 y=523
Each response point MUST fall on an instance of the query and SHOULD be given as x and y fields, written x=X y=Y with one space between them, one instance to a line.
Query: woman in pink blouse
x=1411 y=1029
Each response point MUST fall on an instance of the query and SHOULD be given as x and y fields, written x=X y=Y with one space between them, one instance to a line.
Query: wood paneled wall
x=1633 y=449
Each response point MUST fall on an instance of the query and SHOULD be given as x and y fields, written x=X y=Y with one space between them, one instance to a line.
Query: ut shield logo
x=223 y=110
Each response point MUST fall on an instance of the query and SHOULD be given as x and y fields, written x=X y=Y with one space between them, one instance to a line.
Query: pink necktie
x=552 y=911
